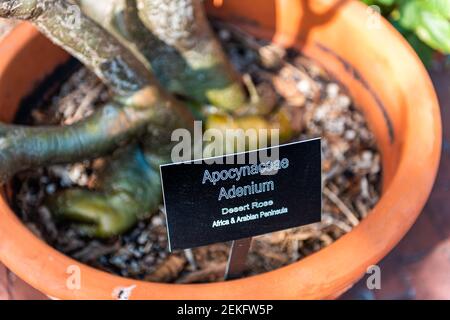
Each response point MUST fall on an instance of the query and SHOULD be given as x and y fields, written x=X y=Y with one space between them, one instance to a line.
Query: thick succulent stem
x=199 y=72
x=128 y=189
x=23 y=147
x=115 y=124
x=190 y=52
x=142 y=105
x=120 y=18
x=254 y=130
x=102 y=53
x=64 y=24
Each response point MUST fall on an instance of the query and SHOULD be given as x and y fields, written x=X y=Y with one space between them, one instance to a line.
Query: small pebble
x=350 y=134
x=224 y=35
x=344 y=101
x=332 y=90
x=50 y=188
x=304 y=87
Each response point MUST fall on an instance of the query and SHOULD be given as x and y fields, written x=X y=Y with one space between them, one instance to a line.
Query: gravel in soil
x=318 y=106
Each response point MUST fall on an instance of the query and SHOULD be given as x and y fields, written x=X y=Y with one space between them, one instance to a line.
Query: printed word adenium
x=264 y=168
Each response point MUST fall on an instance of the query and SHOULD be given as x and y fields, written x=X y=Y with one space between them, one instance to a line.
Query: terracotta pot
x=386 y=80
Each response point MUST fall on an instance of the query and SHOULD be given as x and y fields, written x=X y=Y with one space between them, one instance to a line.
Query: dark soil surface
x=319 y=107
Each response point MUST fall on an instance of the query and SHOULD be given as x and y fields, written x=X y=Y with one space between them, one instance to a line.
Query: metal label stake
x=237 y=258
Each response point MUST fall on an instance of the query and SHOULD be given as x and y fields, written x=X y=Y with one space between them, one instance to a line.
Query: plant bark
x=114 y=125
x=191 y=52
x=141 y=106
x=128 y=190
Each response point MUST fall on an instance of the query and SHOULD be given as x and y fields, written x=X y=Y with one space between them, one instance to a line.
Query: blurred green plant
x=424 y=23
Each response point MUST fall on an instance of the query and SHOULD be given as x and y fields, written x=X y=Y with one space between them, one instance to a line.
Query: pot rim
x=46 y=269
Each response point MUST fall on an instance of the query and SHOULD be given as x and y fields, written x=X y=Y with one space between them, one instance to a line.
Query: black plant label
x=242 y=195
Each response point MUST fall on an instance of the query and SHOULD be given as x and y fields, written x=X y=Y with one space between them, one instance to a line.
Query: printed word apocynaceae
x=236 y=174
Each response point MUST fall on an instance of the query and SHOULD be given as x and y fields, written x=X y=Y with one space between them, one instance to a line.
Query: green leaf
x=410 y=14
x=440 y=6
x=428 y=19
x=379 y=2
x=386 y=2
x=435 y=31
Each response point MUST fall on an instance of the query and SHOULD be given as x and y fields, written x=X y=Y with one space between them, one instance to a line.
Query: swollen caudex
x=264 y=168
x=141 y=112
x=172 y=21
